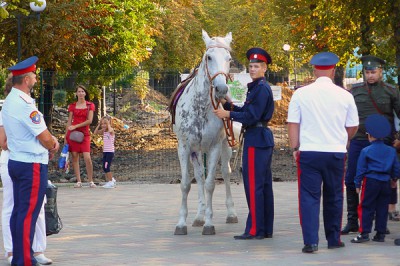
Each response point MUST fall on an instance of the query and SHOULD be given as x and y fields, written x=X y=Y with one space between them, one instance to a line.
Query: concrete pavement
x=134 y=225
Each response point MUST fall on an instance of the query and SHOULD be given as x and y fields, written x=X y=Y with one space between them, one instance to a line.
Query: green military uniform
x=379 y=98
x=370 y=98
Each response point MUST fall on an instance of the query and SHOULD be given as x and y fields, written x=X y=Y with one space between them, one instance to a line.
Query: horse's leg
x=226 y=155
x=198 y=169
x=212 y=161
x=183 y=153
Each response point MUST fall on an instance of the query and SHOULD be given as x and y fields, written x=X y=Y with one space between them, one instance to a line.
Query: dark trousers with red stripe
x=316 y=170
x=29 y=184
x=375 y=197
x=257 y=179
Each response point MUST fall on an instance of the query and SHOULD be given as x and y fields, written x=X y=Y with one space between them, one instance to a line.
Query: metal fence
x=151 y=146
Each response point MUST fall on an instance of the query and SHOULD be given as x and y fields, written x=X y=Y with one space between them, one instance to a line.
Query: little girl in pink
x=108 y=149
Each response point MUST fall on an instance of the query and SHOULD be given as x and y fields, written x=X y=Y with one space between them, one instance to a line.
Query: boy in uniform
x=376 y=165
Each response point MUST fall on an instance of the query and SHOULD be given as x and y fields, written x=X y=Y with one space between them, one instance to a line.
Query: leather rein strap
x=228 y=123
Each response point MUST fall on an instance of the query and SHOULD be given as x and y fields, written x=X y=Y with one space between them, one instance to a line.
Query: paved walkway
x=134 y=225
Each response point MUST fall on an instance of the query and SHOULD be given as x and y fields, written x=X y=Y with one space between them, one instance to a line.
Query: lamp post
x=35 y=8
x=286 y=47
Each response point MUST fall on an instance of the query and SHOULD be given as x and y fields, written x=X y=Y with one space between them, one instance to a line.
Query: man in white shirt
x=322 y=118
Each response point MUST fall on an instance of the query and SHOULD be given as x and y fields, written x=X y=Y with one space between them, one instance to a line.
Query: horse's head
x=217 y=61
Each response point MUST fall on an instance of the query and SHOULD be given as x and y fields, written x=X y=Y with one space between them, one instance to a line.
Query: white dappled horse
x=200 y=131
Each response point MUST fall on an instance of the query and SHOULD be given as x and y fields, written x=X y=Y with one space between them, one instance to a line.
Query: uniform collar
x=324 y=79
x=27 y=98
x=255 y=82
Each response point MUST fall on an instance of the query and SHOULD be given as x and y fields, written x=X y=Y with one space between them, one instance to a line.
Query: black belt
x=259 y=124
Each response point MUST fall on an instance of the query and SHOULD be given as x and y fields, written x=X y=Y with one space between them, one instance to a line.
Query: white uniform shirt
x=323 y=110
x=4 y=153
x=23 y=123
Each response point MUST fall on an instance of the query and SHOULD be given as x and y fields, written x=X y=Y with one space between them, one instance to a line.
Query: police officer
x=258 y=145
x=30 y=145
x=371 y=97
x=322 y=117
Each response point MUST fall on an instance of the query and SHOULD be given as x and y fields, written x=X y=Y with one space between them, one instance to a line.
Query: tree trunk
x=339 y=76
x=366 y=43
x=396 y=32
x=48 y=97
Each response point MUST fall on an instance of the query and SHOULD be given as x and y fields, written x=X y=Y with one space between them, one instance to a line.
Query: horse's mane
x=218 y=42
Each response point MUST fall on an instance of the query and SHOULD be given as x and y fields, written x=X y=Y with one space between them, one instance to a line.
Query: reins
x=228 y=123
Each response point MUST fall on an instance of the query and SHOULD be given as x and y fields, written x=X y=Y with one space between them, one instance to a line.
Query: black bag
x=53 y=221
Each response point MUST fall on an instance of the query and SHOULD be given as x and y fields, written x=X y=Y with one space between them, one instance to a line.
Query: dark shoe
x=268 y=235
x=397 y=242
x=247 y=237
x=387 y=232
x=379 y=237
x=340 y=245
x=310 y=248
x=349 y=228
x=361 y=238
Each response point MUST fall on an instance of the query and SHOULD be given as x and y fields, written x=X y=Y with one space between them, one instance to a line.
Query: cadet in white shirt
x=322 y=118
x=30 y=145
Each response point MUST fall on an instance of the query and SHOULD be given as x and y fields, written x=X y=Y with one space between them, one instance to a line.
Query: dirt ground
x=146 y=151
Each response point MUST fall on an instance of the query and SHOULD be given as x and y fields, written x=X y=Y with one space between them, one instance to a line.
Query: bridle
x=228 y=124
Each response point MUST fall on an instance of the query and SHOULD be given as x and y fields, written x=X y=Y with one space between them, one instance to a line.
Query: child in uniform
x=108 y=148
x=376 y=165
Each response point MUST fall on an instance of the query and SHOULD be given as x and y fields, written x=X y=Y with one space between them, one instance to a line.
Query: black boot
x=352 y=216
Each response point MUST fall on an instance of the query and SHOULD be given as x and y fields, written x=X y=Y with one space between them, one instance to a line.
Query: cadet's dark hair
x=83 y=88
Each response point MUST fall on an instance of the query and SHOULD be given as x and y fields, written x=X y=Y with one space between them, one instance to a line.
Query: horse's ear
x=206 y=38
x=228 y=38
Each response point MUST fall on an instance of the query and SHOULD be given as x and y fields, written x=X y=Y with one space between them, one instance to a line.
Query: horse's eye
x=209 y=58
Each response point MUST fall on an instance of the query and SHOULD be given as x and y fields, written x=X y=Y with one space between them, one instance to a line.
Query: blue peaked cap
x=324 y=59
x=377 y=126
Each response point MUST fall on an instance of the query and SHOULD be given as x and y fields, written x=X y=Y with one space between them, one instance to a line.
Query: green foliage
x=157 y=106
x=60 y=98
x=140 y=85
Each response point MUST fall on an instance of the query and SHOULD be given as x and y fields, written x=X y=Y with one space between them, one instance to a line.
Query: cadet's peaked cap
x=324 y=60
x=371 y=62
x=256 y=55
x=23 y=67
x=377 y=126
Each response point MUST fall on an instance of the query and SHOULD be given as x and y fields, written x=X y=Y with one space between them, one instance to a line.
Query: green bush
x=60 y=97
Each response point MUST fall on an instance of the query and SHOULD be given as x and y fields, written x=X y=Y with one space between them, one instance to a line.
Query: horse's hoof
x=232 y=220
x=198 y=223
x=209 y=230
x=181 y=230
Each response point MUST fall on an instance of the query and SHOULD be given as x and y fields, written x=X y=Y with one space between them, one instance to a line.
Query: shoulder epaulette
x=356 y=85
x=26 y=98
x=388 y=85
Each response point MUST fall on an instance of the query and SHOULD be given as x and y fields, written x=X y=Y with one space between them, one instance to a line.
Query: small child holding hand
x=108 y=148
x=376 y=166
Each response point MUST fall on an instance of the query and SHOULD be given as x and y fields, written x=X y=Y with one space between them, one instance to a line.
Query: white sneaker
x=114 y=181
x=109 y=184
x=41 y=258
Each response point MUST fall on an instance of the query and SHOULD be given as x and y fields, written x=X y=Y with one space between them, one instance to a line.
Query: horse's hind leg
x=198 y=168
x=226 y=174
x=181 y=227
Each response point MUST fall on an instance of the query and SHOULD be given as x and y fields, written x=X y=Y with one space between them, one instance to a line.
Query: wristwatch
x=295 y=149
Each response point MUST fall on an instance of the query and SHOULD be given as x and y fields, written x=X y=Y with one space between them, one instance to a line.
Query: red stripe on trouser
x=359 y=208
x=298 y=186
x=26 y=243
x=252 y=189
